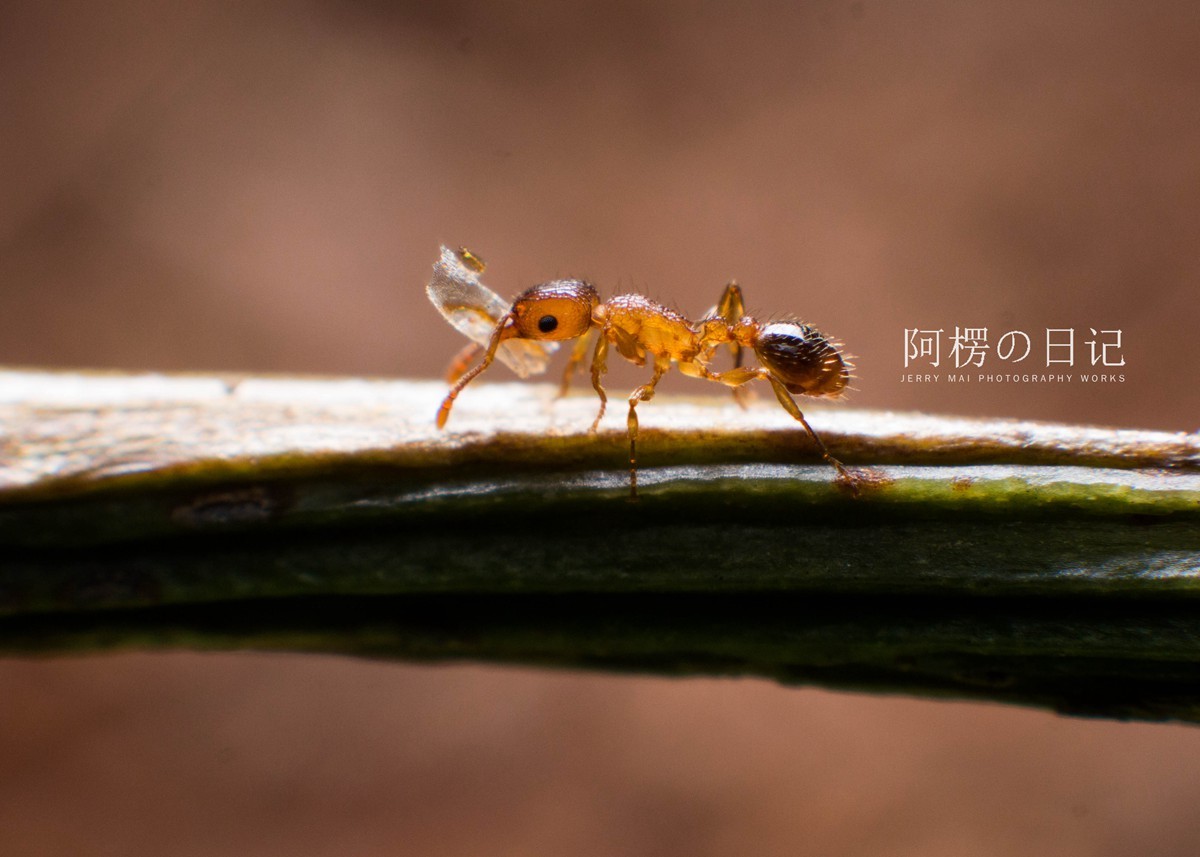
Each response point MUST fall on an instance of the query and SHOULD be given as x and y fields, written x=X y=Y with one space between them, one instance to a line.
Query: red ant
x=796 y=358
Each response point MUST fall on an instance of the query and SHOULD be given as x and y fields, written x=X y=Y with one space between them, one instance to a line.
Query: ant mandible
x=796 y=358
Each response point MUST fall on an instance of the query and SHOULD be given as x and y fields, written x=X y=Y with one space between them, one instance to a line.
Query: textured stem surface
x=1022 y=562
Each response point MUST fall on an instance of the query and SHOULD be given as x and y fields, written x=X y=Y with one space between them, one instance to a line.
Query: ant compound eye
x=803 y=358
x=561 y=309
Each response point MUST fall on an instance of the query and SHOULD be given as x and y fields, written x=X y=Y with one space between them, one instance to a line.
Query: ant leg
x=643 y=393
x=731 y=308
x=737 y=377
x=462 y=361
x=577 y=354
x=443 y=413
x=789 y=405
x=743 y=396
x=599 y=367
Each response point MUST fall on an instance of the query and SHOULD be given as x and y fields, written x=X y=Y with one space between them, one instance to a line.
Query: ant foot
x=847 y=481
x=856 y=480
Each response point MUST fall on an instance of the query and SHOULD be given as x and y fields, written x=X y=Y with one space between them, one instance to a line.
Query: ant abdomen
x=803 y=358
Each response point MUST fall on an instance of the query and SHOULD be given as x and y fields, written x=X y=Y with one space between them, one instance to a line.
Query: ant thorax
x=640 y=325
x=714 y=331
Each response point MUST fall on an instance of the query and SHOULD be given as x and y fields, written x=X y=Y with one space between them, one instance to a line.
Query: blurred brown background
x=263 y=186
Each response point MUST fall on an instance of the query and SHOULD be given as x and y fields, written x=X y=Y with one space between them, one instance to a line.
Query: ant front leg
x=503 y=329
x=789 y=405
x=578 y=352
x=599 y=367
x=643 y=393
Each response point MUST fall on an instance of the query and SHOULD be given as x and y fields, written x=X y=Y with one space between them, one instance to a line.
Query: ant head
x=804 y=359
x=561 y=309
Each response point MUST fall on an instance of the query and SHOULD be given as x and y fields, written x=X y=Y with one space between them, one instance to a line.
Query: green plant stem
x=1021 y=562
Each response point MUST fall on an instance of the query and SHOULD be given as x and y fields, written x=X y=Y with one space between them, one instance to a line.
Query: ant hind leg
x=789 y=405
x=737 y=377
x=730 y=309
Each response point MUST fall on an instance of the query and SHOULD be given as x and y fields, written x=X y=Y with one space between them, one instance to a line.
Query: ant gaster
x=796 y=359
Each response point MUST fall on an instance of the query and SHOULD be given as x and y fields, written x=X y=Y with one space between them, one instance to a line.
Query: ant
x=796 y=358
